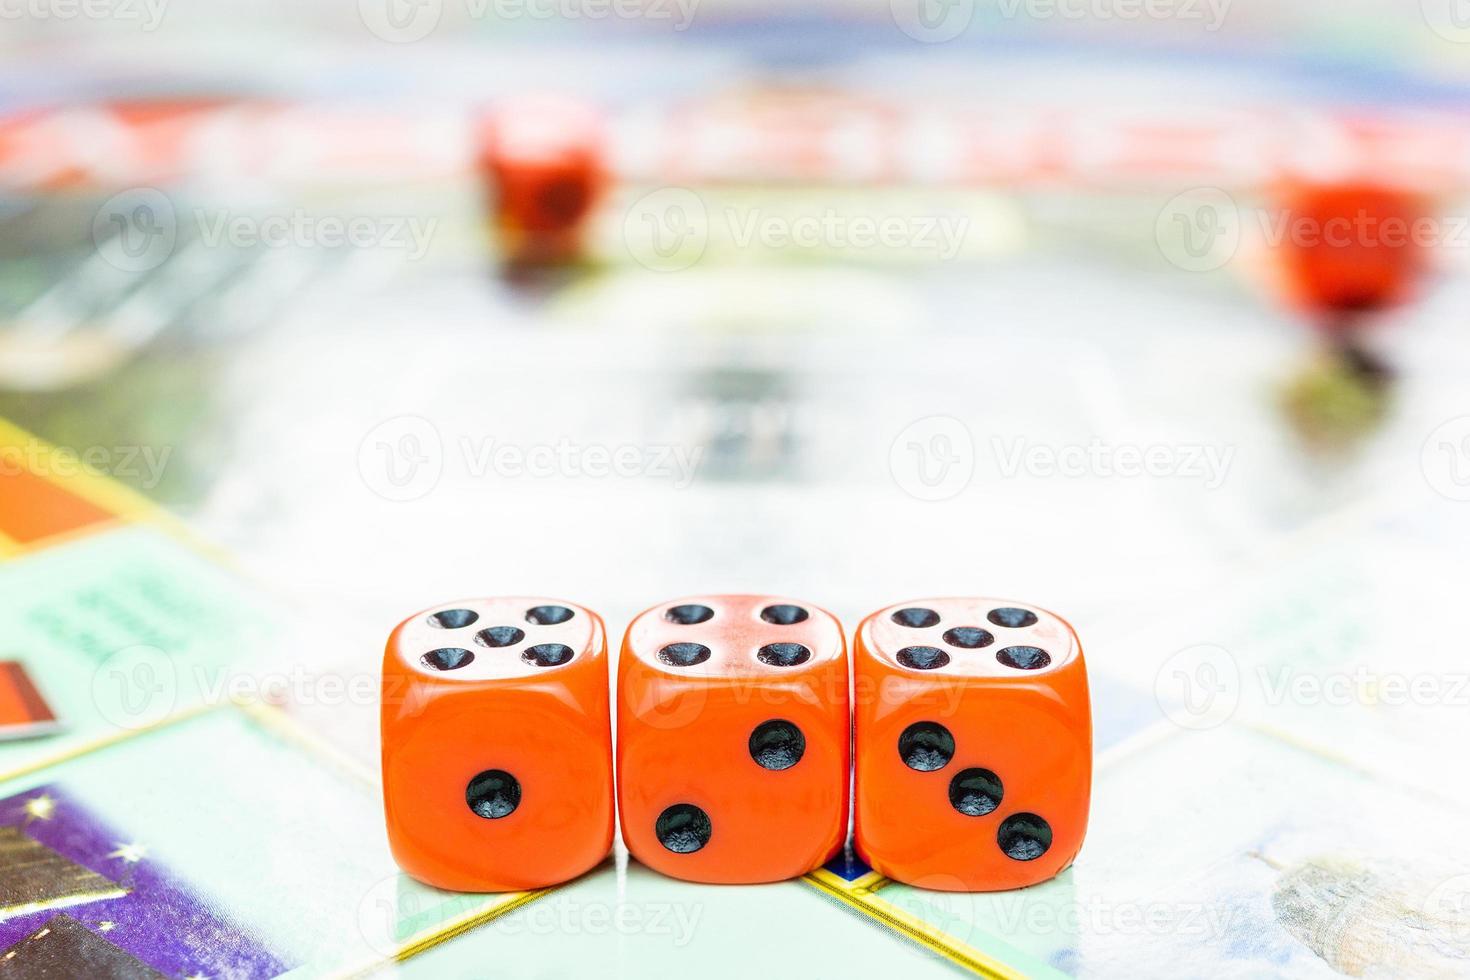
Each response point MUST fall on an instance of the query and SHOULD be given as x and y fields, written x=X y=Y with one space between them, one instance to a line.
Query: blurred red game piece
x=543 y=161
x=1352 y=248
x=1348 y=251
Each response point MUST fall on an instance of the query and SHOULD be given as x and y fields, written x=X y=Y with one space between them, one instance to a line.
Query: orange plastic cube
x=497 y=751
x=543 y=160
x=974 y=743
x=733 y=738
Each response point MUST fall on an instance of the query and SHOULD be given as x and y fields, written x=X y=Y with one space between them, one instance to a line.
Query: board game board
x=231 y=471
x=156 y=767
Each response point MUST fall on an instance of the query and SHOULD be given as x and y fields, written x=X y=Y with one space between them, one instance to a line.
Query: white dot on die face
x=507 y=637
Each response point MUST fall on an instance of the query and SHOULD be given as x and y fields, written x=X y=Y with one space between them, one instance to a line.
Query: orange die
x=497 y=754
x=733 y=738
x=974 y=743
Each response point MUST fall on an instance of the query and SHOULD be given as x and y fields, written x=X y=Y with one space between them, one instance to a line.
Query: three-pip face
x=733 y=738
x=497 y=769
x=974 y=743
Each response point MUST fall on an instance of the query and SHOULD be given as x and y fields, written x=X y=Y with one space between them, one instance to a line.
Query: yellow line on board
x=127 y=505
x=921 y=932
x=871 y=881
x=132 y=508
x=282 y=723
x=73 y=534
x=456 y=928
x=91 y=485
x=87 y=748
x=473 y=920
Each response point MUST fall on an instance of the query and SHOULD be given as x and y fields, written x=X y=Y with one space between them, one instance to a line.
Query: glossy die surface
x=497 y=753
x=974 y=743
x=733 y=738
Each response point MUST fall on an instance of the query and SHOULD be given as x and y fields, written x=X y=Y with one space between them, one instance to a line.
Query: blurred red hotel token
x=23 y=712
x=544 y=164
x=1352 y=248
x=760 y=136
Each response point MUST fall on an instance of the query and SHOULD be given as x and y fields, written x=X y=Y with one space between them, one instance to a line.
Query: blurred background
x=896 y=282
x=1116 y=306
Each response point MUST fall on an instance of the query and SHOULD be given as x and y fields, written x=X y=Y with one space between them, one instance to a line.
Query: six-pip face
x=973 y=743
x=733 y=738
x=497 y=769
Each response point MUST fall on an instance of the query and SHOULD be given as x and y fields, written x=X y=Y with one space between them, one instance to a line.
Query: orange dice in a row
x=735 y=727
